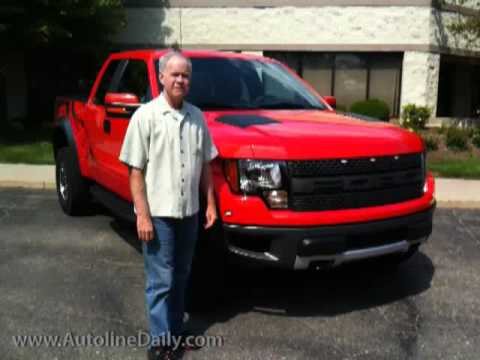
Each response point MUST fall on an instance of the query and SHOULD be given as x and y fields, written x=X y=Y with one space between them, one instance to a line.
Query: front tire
x=72 y=189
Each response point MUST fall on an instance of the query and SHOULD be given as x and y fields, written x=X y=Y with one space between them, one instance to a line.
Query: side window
x=135 y=81
x=106 y=82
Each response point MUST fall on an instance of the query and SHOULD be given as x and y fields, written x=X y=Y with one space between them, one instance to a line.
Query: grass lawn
x=28 y=147
x=445 y=162
x=460 y=168
x=34 y=147
x=39 y=152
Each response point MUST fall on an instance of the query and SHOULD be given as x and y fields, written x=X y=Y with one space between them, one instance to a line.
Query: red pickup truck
x=297 y=184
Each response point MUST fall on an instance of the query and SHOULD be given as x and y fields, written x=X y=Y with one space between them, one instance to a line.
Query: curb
x=458 y=204
x=28 y=185
x=442 y=204
x=450 y=193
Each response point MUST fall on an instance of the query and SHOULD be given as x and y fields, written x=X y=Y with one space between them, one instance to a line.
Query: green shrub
x=456 y=139
x=442 y=129
x=375 y=108
x=476 y=137
x=415 y=117
x=341 y=108
x=431 y=143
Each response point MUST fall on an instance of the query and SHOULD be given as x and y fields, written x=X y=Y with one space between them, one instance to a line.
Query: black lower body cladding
x=282 y=247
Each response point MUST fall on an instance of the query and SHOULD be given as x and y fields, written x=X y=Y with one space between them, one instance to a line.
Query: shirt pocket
x=161 y=140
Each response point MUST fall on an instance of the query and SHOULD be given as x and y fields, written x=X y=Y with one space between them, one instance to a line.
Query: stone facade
x=280 y=27
x=417 y=28
x=420 y=79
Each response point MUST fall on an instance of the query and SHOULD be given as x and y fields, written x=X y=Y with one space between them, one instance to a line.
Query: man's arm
x=206 y=182
x=144 y=219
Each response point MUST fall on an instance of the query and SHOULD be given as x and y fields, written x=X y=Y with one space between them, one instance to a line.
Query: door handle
x=106 y=126
x=118 y=110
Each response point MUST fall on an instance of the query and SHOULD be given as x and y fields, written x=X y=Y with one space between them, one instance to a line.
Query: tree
x=85 y=24
x=61 y=41
x=467 y=27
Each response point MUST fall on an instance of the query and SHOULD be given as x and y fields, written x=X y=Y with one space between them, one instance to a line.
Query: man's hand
x=144 y=220
x=144 y=228
x=211 y=216
x=207 y=186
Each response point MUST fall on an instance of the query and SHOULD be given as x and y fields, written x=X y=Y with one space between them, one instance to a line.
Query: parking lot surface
x=83 y=276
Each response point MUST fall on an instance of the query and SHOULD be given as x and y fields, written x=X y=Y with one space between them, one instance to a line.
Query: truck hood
x=305 y=134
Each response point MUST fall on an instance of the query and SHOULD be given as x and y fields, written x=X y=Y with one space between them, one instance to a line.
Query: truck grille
x=336 y=184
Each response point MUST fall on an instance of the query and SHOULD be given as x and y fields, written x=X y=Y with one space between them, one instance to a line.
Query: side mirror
x=121 y=99
x=330 y=100
x=121 y=104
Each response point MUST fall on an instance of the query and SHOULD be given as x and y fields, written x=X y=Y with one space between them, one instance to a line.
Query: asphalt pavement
x=83 y=276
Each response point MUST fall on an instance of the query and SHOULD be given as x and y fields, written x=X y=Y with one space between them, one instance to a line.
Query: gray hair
x=162 y=63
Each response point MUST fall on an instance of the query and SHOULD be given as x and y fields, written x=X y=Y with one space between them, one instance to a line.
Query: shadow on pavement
x=315 y=293
x=306 y=293
x=128 y=232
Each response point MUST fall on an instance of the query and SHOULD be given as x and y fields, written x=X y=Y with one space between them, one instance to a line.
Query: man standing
x=168 y=148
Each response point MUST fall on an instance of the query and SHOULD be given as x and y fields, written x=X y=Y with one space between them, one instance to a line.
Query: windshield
x=223 y=84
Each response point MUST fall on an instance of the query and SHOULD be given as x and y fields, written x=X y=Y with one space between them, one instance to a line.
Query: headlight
x=257 y=175
x=263 y=178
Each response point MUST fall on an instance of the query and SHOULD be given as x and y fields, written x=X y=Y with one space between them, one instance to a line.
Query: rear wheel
x=72 y=189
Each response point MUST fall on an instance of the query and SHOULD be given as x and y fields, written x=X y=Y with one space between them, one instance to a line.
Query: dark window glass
x=385 y=75
x=291 y=59
x=106 y=82
x=135 y=81
x=458 y=91
x=445 y=84
x=241 y=84
x=350 y=79
x=318 y=71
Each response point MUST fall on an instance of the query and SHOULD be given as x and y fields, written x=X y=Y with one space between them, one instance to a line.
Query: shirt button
x=183 y=180
x=181 y=151
x=183 y=165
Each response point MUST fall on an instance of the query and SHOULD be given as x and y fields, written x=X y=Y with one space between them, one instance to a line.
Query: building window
x=318 y=71
x=350 y=77
x=458 y=90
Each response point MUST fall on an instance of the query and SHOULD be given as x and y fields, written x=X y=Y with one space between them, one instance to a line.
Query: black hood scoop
x=244 y=121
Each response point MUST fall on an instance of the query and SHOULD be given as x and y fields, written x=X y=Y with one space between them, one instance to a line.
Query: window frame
x=123 y=69
x=113 y=82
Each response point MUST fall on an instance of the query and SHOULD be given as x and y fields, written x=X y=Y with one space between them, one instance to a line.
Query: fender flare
x=63 y=136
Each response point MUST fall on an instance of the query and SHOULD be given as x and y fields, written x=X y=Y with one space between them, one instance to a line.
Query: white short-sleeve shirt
x=171 y=146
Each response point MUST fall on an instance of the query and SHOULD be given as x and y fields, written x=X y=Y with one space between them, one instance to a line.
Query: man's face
x=176 y=78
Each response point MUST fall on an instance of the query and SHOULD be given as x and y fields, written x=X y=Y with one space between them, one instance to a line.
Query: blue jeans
x=167 y=260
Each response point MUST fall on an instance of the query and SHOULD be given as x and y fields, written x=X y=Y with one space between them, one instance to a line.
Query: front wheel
x=72 y=189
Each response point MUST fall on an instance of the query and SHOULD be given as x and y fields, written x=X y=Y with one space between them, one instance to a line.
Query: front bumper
x=303 y=247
